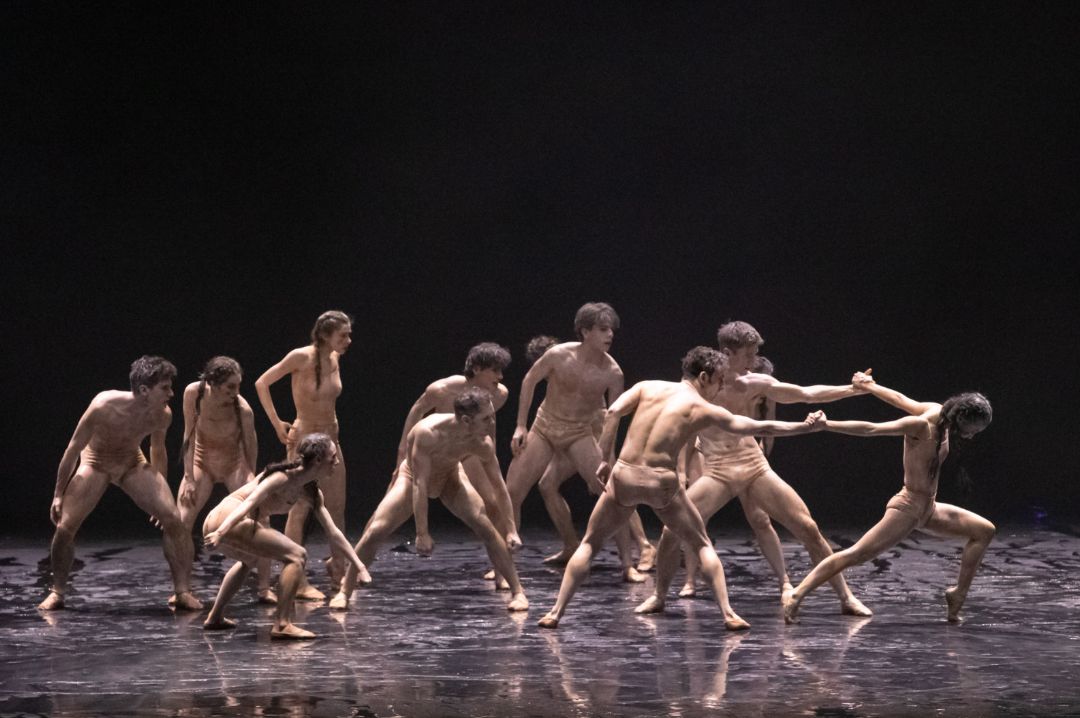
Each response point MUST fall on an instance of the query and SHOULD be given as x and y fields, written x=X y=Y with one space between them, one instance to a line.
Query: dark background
x=868 y=184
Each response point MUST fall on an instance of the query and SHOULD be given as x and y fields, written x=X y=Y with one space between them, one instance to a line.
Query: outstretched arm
x=735 y=424
x=890 y=396
x=785 y=393
x=914 y=426
x=293 y=361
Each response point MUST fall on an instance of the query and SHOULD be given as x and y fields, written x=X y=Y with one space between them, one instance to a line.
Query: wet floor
x=430 y=638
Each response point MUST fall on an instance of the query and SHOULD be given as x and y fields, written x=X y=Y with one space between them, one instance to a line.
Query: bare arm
x=785 y=393
x=914 y=426
x=84 y=430
x=189 y=432
x=502 y=496
x=537 y=373
x=770 y=415
x=259 y=494
x=419 y=409
x=293 y=361
x=159 y=455
x=251 y=439
x=735 y=424
x=337 y=539
x=890 y=396
x=625 y=404
x=421 y=470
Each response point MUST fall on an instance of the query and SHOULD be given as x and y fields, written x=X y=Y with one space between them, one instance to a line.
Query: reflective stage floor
x=430 y=638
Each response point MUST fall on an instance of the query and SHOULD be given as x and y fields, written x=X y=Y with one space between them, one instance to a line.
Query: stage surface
x=430 y=638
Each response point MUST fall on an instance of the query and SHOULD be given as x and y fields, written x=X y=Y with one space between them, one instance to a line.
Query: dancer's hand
x=424 y=544
x=282 y=429
x=816 y=420
x=518 y=442
x=212 y=539
x=603 y=471
x=862 y=379
x=55 y=509
x=187 y=491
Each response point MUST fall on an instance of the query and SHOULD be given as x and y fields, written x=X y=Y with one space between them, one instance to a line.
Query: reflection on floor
x=430 y=638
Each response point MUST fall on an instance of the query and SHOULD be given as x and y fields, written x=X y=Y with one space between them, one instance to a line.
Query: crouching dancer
x=666 y=414
x=436 y=446
x=926 y=433
x=238 y=529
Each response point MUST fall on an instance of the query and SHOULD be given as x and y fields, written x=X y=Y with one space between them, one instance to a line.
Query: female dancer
x=926 y=433
x=236 y=526
x=219 y=445
x=316 y=385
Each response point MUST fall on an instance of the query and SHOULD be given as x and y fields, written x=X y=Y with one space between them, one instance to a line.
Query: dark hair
x=593 y=313
x=762 y=365
x=735 y=335
x=311 y=448
x=969 y=406
x=150 y=371
x=537 y=346
x=487 y=355
x=703 y=359
x=470 y=401
x=327 y=323
x=215 y=373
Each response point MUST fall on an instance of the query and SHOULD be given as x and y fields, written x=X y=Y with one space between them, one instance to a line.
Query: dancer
x=484 y=367
x=665 y=415
x=927 y=433
x=237 y=527
x=578 y=376
x=316 y=384
x=736 y=466
x=105 y=448
x=432 y=469
x=220 y=446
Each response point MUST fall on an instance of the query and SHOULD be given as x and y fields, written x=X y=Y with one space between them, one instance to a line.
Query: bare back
x=667 y=413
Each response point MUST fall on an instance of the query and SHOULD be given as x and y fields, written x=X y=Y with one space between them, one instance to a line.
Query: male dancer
x=665 y=415
x=736 y=466
x=105 y=450
x=436 y=447
x=484 y=367
x=578 y=376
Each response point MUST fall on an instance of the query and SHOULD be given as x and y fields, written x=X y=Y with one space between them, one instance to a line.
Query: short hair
x=762 y=365
x=538 y=346
x=593 y=313
x=470 y=401
x=150 y=371
x=736 y=335
x=703 y=359
x=487 y=355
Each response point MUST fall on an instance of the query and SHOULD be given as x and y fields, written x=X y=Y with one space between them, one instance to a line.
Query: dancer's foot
x=852 y=606
x=310 y=593
x=791 y=607
x=560 y=559
x=185 y=601
x=955 y=601
x=267 y=597
x=632 y=575
x=289 y=631
x=518 y=602
x=490 y=575
x=732 y=622
x=222 y=624
x=53 y=602
x=340 y=602
x=647 y=562
x=548 y=621
x=652 y=604
x=689 y=590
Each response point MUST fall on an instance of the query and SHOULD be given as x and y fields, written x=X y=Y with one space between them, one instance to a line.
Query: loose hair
x=735 y=335
x=327 y=323
x=969 y=406
x=149 y=371
x=591 y=314
x=487 y=355
x=311 y=448
x=216 y=372
x=537 y=346
x=470 y=401
x=703 y=359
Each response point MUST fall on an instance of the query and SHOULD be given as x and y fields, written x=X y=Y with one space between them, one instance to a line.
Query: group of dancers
x=691 y=446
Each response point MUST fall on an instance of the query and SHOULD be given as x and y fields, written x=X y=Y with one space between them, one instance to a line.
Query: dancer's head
x=705 y=366
x=593 y=317
x=222 y=374
x=965 y=415
x=150 y=375
x=537 y=346
x=740 y=342
x=762 y=365
x=487 y=361
x=473 y=408
x=332 y=332
x=315 y=449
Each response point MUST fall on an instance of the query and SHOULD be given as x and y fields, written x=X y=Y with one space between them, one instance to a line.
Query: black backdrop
x=867 y=184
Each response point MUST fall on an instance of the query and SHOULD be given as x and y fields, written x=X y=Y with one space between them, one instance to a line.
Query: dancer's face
x=710 y=385
x=488 y=378
x=482 y=422
x=968 y=429
x=159 y=394
x=340 y=340
x=598 y=336
x=227 y=390
x=740 y=360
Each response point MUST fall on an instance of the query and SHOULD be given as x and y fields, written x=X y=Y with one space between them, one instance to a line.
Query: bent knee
x=297 y=556
x=805 y=528
x=759 y=521
x=985 y=532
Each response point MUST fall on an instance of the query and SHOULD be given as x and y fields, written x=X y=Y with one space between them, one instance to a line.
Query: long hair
x=216 y=372
x=969 y=406
x=311 y=448
x=327 y=323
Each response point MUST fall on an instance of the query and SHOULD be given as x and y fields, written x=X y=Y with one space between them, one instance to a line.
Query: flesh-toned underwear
x=114 y=464
x=631 y=485
x=918 y=504
x=561 y=432
x=454 y=476
x=217 y=458
x=737 y=468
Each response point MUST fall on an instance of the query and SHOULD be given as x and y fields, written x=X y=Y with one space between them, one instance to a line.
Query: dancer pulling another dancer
x=927 y=434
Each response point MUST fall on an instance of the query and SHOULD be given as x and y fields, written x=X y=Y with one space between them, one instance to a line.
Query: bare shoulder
x=191 y=389
x=612 y=365
x=501 y=395
x=485 y=448
x=752 y=382
x=245 y=407
x=299 y=358
x=448 y=386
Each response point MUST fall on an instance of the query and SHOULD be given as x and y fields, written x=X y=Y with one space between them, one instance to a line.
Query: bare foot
x=340 y=602
x=518 y=602
x=53 y=602
x=852 y=606
x=267 y=597
x=186 y=601
x=310 y=593
x=502 y=584
x=652 y=604
x=732 y=622
x=955 y=601
x=548 y=621
x=490 y=575
x=632 y=575
x=647 y=562
x=362 y=577
x=560 y=559
x=688 y=591
x=222 y=624
x=289 y=631
x=791 y=606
